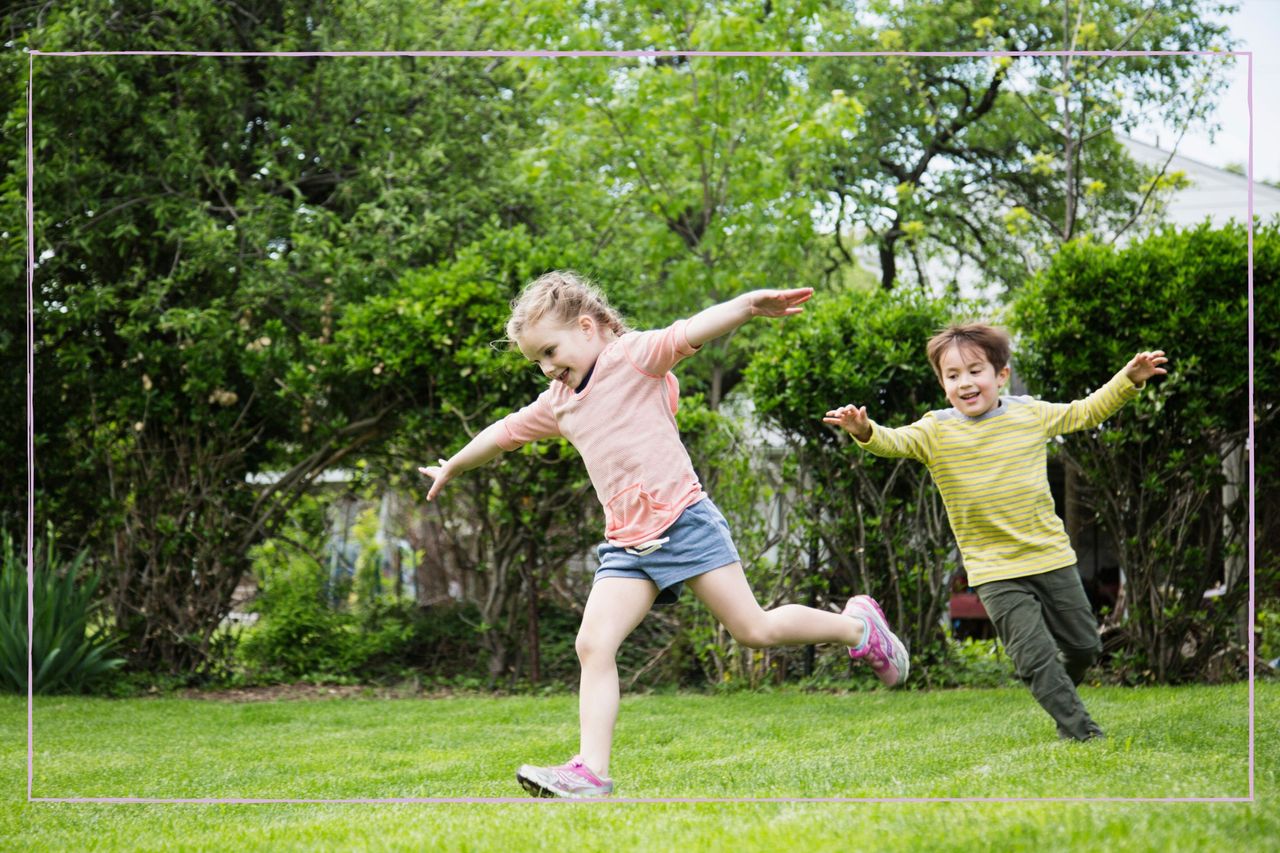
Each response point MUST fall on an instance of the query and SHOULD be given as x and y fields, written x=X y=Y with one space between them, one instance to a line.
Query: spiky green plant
x=67 y=655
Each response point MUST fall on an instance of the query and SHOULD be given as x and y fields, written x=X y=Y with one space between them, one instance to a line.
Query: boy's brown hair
x=991 y=341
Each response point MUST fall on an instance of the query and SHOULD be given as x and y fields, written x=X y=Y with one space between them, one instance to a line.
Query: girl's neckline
x=591 y=371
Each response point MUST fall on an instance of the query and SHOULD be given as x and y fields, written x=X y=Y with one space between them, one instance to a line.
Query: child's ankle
x=866 y=632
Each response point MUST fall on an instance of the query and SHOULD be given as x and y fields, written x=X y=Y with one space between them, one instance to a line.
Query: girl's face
x=563 y=352
x=971 y=382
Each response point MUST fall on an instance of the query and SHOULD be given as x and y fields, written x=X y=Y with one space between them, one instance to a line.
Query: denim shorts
x=696 y=543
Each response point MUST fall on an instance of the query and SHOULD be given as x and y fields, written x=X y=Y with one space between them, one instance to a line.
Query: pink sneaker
x=881 y=648
x=574 y=781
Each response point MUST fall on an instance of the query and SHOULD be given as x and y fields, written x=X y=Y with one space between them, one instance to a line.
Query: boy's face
x=971 y=382
x=564 y=353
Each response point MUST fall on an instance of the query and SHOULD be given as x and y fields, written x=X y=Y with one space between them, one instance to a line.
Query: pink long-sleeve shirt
x=623 y=424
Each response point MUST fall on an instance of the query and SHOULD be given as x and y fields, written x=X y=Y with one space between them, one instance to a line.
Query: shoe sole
x=534 y=789
x=537 y=789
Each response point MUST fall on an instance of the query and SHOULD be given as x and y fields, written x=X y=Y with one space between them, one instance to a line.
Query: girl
x=612 y=395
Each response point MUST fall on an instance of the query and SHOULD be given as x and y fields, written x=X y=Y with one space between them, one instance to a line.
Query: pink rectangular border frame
x=553 y=54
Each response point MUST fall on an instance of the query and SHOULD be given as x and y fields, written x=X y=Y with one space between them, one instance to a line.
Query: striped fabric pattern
x=991 y=471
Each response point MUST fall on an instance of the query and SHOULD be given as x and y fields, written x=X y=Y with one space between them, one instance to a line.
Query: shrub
x=1166 y=473
x=298 y=633
x=301 y=635
x=68 y=656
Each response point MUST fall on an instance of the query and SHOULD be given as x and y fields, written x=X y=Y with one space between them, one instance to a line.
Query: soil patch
x=301 y=691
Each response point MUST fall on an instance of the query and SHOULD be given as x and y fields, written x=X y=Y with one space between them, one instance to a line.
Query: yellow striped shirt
x=991 y=471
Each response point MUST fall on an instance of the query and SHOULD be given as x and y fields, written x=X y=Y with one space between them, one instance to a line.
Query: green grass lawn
x=1164 y=742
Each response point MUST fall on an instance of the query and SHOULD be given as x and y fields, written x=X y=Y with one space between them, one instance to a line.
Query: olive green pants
x=1048 y=630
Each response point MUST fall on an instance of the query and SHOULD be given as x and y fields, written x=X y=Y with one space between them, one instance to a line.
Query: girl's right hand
x=778 y=303
x=852 y=419
x=440 y=473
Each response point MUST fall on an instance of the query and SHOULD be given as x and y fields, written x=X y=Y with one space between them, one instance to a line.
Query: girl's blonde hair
x=564 y=296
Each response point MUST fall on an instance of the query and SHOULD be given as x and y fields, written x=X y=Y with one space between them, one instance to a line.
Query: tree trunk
x=888 y=262
x=531 y=583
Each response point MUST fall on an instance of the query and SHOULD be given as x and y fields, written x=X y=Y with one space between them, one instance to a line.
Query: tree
x=204 y=225
x=996 y=160
x=683 y=173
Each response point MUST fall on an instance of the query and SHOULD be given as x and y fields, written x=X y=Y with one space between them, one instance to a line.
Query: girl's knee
x=589 y=647
x=755 y=634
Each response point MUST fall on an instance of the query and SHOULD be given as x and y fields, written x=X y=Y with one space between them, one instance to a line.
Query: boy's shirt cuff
x=1125 y=385
x=871 y=443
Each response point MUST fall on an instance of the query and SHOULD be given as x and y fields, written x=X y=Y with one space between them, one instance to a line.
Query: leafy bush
x=971 y=662
x=1269 y=626
x=300 y=635
x=1165 y=475
x=67 y=655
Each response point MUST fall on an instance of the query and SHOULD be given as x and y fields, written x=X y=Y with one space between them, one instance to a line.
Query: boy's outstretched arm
x=851 y=419
x=478 y=451
x=1087 y=413
x=914 y=441
x=724 y=318
x=1144 y=365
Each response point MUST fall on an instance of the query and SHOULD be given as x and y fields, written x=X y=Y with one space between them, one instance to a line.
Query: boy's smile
x=972 y=383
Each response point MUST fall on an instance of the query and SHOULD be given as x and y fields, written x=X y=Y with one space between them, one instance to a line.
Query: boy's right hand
x=440 y=473
x=852 y=419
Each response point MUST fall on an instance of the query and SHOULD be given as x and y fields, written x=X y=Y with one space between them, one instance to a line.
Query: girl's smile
x=564 y=352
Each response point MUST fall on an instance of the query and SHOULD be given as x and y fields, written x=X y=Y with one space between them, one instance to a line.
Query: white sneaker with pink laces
x=573 y=780
x=880 y=647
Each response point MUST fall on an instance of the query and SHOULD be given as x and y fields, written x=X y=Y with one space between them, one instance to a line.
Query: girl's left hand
x=1144 y=365
x=779 y=303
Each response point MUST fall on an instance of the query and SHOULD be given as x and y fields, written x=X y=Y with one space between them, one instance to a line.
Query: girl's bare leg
x=728 y=596
x=614 y=608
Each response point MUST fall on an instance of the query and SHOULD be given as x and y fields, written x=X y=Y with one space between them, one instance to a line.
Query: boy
x=987 y=455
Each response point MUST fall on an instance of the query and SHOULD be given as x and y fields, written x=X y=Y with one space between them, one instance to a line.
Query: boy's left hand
x=779 y=303
x=1144 y=365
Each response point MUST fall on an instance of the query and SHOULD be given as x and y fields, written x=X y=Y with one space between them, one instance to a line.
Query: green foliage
x=1166 y=470
x=206 y=225
x=69 y=653
x=1269 y=633
x=876 y=526
x=685 y=175
x=282 y=265
x=971 y=663
x=302 y=633
x=948 y=146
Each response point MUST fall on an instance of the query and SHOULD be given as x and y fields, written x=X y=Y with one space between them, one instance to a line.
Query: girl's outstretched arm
x=724 y=318
x=478 y=451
